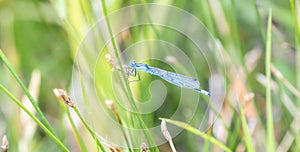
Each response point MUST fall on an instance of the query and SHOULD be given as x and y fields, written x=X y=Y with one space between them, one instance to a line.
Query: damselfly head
x=132 y=64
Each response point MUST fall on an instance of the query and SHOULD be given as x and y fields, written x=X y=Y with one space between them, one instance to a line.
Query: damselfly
x=174 y=78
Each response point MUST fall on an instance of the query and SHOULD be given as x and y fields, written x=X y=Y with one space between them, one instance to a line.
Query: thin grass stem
x=270 y=127
x=282 y=79
x=18 y=102
x=75 y=130
x=132 y=104
x=33 y=102
x=248 y=140
x=297 y=35
x=93 y=134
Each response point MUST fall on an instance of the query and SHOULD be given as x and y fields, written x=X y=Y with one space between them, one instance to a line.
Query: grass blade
x=65 y=99
x=297 y=35
x=34 y=104
x=198 y=133
x=270 y=127
x=93 y=134
x=131 y=101
x=59 y=143
x=248 y=140
x=260 y=25
x=282 y=79
x=76 y=132
x=292 y=3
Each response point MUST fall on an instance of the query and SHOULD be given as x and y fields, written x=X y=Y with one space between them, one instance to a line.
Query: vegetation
x=245 y=53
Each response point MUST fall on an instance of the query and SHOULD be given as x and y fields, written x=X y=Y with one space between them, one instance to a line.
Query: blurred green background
x=44 y=35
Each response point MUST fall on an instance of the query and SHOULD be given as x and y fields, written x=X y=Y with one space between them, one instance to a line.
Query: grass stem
x=59 y=143
x=270 y=127
x=34 y=104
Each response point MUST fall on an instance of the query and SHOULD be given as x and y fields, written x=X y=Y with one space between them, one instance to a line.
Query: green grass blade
x=292 y=3
x=116 y=50
x=131 y=101
x=19 y=103
x=261 y=28
x=93 y=134
x=248 y=140
x=235 y=29
x=270 y=127
x=85 y=100
x=86 y=7
x=76 y=132
x=34 y=104
x=297 y=32
x=198 y=133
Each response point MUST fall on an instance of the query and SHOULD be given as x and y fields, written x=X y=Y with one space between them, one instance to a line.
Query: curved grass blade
x=197 y=132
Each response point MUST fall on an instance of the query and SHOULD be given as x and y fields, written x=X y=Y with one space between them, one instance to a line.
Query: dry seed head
x=4 y=145
x=144 y=147
x=110 y=104
x=62 y=94
x=167 y=135
x=165 y=131
x=109 y=146
x=114 y=149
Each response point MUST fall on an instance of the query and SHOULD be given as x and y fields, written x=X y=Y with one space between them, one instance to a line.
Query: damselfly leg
x=134 y=73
